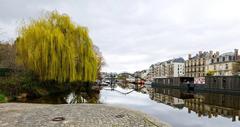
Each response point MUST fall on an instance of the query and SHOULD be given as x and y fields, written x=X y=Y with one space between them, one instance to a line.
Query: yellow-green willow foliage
x=54 y=48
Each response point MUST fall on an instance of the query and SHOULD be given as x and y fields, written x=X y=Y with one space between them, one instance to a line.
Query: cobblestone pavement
x=77 y=115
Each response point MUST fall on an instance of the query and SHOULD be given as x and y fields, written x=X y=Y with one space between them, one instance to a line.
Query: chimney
x=200 y=53
x=217 y=53
x=236 y=53
x=211 y=53
x=189 y=56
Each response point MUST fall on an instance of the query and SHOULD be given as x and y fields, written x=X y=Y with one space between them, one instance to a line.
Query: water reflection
x=82 y=97
x=178 y=108
x=212 y=105
x=68 y=97
x=204 y=104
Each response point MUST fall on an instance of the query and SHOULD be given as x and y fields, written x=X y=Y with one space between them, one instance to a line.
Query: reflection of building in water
x=173 y=92
x=212 y=105
x=169 y=100
x=206 y=104
x=170 y=97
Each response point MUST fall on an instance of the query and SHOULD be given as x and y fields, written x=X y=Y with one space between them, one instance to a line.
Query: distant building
x=196 y=66
x=170 y=68
x=141 y=74
x=151 y=73
x=225 y=64
x=169 y=100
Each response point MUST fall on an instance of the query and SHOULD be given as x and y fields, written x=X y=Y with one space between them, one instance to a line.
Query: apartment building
x=170 y=68
x=196 y=66
x=225 y=64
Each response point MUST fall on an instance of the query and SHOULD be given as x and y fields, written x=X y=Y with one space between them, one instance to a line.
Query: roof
x=175 y=60
x=202 y=55
x=179 y=60
x=228 y=54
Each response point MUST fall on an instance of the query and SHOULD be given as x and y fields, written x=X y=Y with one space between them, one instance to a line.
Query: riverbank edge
x=151 y=118
x=23 y=107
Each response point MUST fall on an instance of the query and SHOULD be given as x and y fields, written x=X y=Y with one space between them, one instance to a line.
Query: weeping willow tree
x=54 y=48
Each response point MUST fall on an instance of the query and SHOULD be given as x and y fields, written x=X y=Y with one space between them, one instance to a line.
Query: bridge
x=113 y=79
x=136 y=77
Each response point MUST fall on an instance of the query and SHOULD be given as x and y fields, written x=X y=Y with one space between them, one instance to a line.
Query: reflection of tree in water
x=57 y=98
x=75 y=98
x=83 y=97
x=68 y=97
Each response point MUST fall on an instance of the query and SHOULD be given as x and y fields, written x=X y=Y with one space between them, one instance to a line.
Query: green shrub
x=2 y=98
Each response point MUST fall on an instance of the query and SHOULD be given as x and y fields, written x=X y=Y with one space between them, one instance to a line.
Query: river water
x=178 y=108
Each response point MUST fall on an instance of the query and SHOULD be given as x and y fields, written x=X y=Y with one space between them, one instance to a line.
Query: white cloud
x=133 y=34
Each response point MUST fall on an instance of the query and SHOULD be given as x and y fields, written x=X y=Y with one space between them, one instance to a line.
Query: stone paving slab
x=74 y=115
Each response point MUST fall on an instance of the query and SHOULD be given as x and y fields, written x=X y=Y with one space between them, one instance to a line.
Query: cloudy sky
x=133 y=34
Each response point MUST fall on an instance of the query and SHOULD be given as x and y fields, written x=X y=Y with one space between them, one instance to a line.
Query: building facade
x=141 y=74
x=196 y=66
x=225 y=64
x=150 y=74
x=170 y=68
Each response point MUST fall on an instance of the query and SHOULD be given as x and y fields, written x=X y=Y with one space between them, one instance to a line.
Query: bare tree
x=7 y=55
x=101 y=60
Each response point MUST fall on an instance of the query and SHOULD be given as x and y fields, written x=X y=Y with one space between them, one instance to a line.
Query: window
x=226 y=66
x=223 y=59
x=214 y=80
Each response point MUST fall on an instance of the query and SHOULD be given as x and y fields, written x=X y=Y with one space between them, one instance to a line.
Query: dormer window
x=212 y=60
